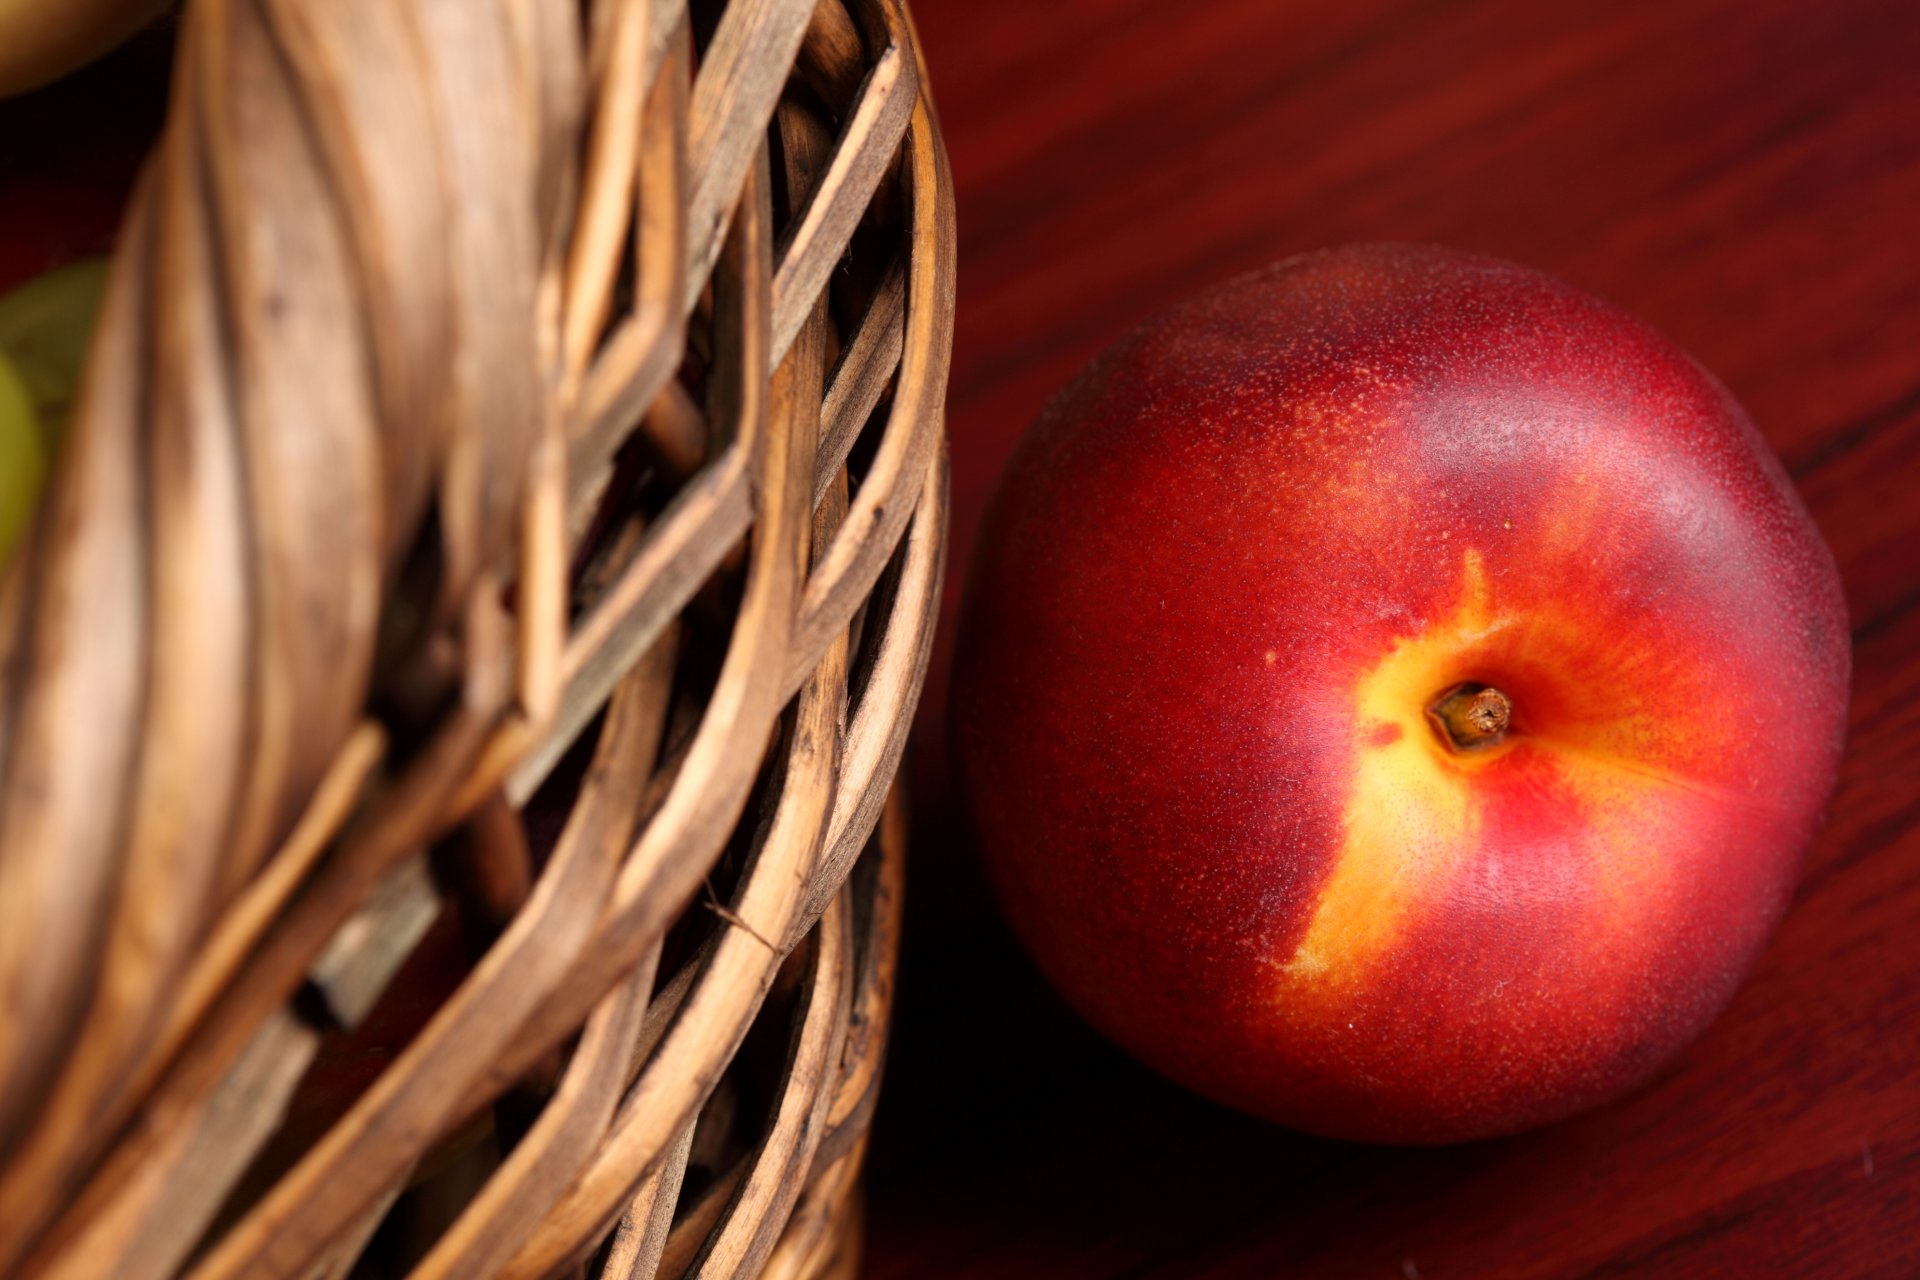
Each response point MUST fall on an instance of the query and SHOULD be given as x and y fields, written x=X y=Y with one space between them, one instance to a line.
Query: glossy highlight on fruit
x=1395 y=695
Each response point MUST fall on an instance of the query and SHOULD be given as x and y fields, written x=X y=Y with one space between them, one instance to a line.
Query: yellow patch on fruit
x=1595 y=762
x=1410 y=816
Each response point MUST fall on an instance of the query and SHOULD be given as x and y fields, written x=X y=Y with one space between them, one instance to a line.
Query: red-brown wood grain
x=1743 y=173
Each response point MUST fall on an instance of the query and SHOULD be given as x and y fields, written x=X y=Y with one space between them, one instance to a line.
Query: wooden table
x=1743 y=173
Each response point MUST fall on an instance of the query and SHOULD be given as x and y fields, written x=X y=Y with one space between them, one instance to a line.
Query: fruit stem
x=1472 y=717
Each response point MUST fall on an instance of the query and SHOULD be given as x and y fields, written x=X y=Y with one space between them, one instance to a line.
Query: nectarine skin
x=1226 y=576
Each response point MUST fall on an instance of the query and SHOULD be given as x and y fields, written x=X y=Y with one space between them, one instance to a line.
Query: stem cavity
x=1471 y=717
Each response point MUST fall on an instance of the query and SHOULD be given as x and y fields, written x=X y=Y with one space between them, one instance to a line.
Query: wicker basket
x=466 y=649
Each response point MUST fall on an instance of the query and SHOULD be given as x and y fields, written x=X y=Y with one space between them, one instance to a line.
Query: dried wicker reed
x=506 y=507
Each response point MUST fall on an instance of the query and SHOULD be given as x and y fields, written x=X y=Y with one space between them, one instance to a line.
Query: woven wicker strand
x=506 y=502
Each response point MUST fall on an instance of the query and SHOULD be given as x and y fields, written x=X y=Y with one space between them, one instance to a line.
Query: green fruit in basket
x=45 y=326
x=23 y=461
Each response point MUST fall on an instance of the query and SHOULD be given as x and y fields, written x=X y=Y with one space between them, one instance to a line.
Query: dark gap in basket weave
x=744 y=1103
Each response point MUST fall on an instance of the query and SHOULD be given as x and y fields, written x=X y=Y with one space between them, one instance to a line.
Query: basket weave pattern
x=507 y=502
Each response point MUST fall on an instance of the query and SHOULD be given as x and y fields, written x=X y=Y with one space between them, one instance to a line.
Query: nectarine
x=1396 y=693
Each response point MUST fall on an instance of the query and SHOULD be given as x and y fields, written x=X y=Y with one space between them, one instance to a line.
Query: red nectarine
x=1396 y=693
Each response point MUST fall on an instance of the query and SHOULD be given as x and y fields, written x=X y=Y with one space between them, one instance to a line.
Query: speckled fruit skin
x=1223 y=578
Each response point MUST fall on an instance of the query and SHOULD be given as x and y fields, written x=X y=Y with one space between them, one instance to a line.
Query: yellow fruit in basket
x=45 y=326
x=42 y=40
x=23 y=462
